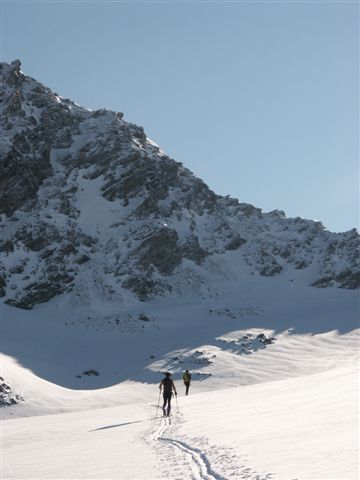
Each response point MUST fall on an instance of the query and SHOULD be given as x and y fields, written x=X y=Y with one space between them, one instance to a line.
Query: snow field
x=287 y=410
x=98 y=444
x=300 y=428
x=304 y=428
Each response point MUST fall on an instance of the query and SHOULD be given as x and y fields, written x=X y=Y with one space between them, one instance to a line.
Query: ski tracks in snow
x=181 y=459
x=198 y=461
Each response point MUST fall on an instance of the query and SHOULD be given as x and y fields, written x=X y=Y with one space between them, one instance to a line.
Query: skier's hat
x=167 y=374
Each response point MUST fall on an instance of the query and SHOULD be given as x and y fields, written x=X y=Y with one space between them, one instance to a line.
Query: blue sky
x=259 y=99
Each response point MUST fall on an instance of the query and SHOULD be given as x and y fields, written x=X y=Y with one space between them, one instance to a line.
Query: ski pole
x=177 y=405
x=157 y=408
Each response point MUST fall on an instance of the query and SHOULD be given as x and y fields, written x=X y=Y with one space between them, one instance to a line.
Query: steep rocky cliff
x=92 y=207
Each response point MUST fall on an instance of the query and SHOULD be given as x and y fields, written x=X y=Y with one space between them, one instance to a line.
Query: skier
x=168 y=386
x=187 y=380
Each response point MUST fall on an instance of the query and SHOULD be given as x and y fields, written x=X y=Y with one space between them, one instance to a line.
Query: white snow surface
x=282 y=411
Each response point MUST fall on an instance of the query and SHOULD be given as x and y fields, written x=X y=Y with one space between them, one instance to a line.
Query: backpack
x=167 y=385
x=186 y=377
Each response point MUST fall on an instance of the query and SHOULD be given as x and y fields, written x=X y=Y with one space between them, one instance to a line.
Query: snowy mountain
x=92 y=207
x=118 y=264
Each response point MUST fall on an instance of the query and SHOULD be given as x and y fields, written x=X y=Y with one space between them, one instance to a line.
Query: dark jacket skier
x=167 y=386
x=187 y=380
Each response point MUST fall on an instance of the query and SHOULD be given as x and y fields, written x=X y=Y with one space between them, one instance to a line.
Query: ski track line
x=198 y=461
x=197 y=458
x=160 y=431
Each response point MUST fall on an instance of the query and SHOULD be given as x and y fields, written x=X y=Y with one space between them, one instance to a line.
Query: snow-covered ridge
x=93 y=208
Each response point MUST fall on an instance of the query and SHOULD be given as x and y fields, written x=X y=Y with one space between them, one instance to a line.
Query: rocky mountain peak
x=92 y=208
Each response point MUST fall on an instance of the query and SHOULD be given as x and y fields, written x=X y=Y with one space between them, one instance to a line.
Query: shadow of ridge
x=114 y=426
x=61 y=355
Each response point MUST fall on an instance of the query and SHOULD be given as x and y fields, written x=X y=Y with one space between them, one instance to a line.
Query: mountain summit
x=93 y=208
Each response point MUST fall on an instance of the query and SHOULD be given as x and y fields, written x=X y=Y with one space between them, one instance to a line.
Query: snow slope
x=285 y=410
x=304 y=428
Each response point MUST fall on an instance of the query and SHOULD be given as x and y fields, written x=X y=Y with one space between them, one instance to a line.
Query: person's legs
x=187 y=384
x=169 y=405
x=167 y=401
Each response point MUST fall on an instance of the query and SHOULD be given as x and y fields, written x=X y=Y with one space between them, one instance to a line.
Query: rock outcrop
x=7 y=395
